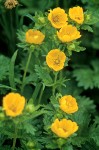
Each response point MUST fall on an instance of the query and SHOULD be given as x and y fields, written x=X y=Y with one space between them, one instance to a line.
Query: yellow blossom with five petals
x=57 y=17
x=68 y=33
x=64 y=128
x=34 y=36
x=68 y=104
x=13 y=104
x=76 y=14
x=55 y=59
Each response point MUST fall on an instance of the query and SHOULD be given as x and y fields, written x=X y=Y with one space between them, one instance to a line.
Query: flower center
x=78 y=18
x=12 y=108
x=69 y=32
x=57 y=61
x=35 y=36
x=69 y=104
x=64 y=129
x=55 y=18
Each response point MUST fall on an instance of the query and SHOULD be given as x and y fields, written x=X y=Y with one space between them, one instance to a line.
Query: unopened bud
x=42 y=20
x=30 y=108
x=88 y=17
x=71 y=47
x=2 y=116
x=30 y=144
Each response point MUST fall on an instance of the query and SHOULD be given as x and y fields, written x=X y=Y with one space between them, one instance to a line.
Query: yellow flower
x=68 y=104
x=64 y=128
x=76 y=14
x=13 y=104
x=9 y=4
x=55 y=59
x=68 y=33
x=34 y=36
x=57 y=17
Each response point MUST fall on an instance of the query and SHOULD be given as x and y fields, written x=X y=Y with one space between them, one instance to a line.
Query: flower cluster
x=58 y=19
x=64 y=128
x=56 y=58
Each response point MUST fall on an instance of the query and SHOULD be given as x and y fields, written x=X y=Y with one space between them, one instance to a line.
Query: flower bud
x=41 y=19
x=32 y=48
x=30 y=144
x=2 y=116
x=30 y=108
x=87 y=17
x=71 y=46
x=61 y=142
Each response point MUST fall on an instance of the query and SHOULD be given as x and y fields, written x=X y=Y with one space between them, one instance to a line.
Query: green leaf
x=72 y=88
x=86 y=104
x=84 y=76
x=91 y=17
x=79 y=140
x=74 y=46
x=50 y=143
x=83 y=118
x=11 y=70
x=94 y=130
x=91 y=145
x=30 y=17
x=87 y=27
x=21 y=37
x=29 y=128
x=43 y=75
x=32 y=78
x=6 y=87
x=4 y=67
x=68 y=147
x=88 y=77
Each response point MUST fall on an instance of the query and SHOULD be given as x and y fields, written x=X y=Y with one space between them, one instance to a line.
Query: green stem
x=60 y=76
x=54 y=86
x=15 y=137
x=41 y=93
x=25 y=71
